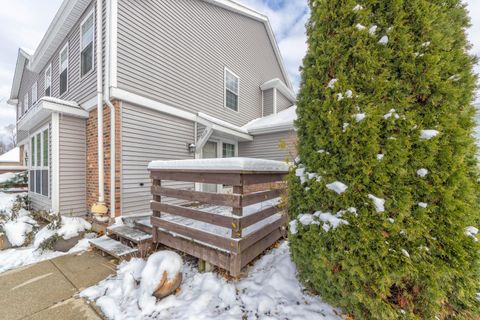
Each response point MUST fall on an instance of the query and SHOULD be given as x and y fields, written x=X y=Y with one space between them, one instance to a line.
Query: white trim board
x=216 y=124
x=280 y=86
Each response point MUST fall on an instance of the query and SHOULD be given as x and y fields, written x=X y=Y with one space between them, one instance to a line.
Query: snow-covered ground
x=16 y=230
x=269 y=291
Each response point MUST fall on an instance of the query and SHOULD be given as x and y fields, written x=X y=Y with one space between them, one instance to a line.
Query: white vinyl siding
x=87 y=29
x=232 y=90
x=63 y=64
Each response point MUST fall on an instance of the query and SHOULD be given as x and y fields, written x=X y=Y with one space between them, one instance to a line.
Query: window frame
x=34 y=93
x=227 y=70
x=36 y=164
x=90 y=14
x=64 y=48
x=47 y=70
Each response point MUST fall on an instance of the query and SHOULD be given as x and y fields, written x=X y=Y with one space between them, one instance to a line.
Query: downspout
x=111 y=107
x=99 y=208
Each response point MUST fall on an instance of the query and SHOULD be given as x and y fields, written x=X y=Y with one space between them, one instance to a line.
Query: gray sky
x=25 y=22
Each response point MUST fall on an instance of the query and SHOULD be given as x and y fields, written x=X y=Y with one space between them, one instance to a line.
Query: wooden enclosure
x=255 y=222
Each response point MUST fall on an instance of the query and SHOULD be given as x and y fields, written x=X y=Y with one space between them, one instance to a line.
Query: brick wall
x=92 y=157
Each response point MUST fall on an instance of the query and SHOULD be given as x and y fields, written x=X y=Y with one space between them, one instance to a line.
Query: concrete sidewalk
x=47 y=290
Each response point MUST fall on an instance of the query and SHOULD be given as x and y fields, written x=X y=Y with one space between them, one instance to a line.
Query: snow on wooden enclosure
x=223 y=164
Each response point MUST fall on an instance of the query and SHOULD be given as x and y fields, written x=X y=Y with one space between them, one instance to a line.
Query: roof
x=221 y=164
x=280 y=86
x=70 y=12
x=11 y=156
x=282 y=121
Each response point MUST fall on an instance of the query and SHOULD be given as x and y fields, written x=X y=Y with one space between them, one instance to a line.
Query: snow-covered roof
x=223 y=164
x=11 y=156
x=281 y=121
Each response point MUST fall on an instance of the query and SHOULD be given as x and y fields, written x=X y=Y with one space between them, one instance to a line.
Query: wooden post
x=157 y=198
x=237 y=211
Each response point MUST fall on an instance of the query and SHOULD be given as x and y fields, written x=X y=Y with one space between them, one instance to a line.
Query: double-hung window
x=232 y=90
x=34 y=93
x=25 y=103
x=39 y=161
x=86 y=44
x=228 y=150
x=48 y=81
x=64 y=70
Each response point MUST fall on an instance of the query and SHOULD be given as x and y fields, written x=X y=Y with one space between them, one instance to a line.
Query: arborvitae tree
x=384 y=198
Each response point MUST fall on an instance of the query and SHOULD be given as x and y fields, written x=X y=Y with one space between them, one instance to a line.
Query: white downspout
x=101 y=182
x=111 y=107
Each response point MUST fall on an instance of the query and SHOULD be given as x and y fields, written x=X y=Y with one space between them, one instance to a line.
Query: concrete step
x=113 y=247
x=132 y=234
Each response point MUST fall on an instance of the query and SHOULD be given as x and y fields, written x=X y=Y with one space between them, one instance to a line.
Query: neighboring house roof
x=71 y=10
x=282 y=121
x=11 y=156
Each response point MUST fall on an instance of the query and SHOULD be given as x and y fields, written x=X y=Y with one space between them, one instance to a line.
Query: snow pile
x=471 y=232
x=428 y=134
x=358 y=7
x=70 y=227
x=17 y=229
x=337 y=186
x=233 y=164
x=330 y=221
x=380 y=156
x=391 y=113
x=331 y=84
x=7 y=176
x=373 y=30
x=378 y=203
x=270 y=291
x=360 y=27
x=383 y=40
x=423 y=205
x=360 y=116
x=422 y=172
x=283 y=119
x=11 y=156
x=6 y=202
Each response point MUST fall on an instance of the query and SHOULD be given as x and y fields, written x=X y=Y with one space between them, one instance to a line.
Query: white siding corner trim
x=56 y=162
x=113 y=42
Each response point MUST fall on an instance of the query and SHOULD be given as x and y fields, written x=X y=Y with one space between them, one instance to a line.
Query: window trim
x=49 y=69
x=91 y=13
x=225 y=89
x=65 y=47
x=34 y=92
x=40 y=167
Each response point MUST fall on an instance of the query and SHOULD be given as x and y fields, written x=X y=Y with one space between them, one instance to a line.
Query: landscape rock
x=167 y=287
x=63 y=245
x=4 y=243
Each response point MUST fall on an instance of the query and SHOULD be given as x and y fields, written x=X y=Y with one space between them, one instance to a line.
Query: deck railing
x=229 y=241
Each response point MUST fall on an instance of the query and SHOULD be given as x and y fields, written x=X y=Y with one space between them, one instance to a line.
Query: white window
x=48 y=81
x=228 y=150
x=64 y=70
x=25 y=103
x=232 y=89
x=86 y=44
x=39 y=163
x=34 y=93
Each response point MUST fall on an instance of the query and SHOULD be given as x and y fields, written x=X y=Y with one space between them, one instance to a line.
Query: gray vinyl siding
x=266 y=146
x=175 y=52
x=28 y=79
x=73 y=166
x=149 y=135
x=80 y=89
x=267 y=102
x=282 y=102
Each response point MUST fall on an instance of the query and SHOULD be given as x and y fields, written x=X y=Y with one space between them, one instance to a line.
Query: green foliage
x=49 y=243
x=20 y=179
x=407 y=262
x=21 y=202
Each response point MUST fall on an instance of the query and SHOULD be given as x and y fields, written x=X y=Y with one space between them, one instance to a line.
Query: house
x=176 y=79
x=12 y=161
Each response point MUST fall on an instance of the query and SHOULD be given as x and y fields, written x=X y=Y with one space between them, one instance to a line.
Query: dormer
x=276 y=97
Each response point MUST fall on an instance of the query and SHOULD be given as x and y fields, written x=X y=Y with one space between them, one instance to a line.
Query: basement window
x=64 y=70
x=86 y=46
x=232 y=89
